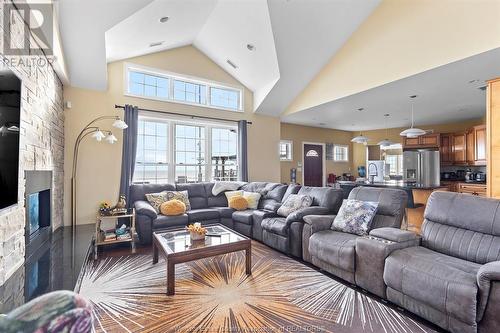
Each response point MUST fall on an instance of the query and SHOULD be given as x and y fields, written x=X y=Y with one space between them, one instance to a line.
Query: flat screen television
x=10 y=114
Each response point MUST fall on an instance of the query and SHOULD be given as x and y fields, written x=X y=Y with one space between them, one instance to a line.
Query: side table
x=101 y=219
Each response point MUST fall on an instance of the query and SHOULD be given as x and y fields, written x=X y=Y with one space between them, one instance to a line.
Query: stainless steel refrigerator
x=421 y=167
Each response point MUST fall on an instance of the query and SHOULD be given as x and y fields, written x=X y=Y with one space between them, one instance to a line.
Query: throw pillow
x=231 y=194
x=179 y=195
x=252 y=198
x=173 y=207
x=223 y=186
x=355 y=217
x=156 y=199
x=293 y=203
x=238 y=202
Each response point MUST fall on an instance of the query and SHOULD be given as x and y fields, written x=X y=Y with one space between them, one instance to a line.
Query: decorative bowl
x=195 y=236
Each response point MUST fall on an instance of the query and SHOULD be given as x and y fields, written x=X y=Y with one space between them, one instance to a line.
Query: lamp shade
x=111 y=138
x=385 y=143
x=412 y=132
x=360 y=139
x=98 y=135
x=120 y=124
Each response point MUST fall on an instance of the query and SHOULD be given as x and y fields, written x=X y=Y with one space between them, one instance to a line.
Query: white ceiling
x=444 y=95
x=307 y=34
x=82 y=25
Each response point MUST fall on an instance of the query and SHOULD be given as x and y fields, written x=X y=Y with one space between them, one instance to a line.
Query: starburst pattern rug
x=215 y=295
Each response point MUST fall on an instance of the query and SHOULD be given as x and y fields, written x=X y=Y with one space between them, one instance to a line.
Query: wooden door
x=313 y=165
x=459 y=148
x=446 y=156
x=480 y=145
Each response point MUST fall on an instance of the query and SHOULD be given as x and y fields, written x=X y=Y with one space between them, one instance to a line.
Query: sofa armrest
x=301 y=213
x=144 y=208
x=273 y=207
x=394 y=234
x=319 y=222
x=487 y=274
x=371 y=252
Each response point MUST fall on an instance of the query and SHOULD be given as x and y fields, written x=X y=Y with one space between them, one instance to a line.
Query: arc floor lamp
x=98 y=134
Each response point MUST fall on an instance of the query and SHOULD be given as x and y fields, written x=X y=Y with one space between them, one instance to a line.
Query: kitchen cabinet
x=471 y=188
x=493 y=146
x=423 y=141
x=445 y=152
x=479 y=133
x=459 y=146
x=452 y=185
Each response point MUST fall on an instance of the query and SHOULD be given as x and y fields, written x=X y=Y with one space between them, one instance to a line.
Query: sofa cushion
x=163 y=221
x=238 y=202
x=218 y=200
x=276 y=225
x=197 y=194
x=355 y=216
x=173 y=207
x=293 y=203
x=243 y=216
x=445 y=283
x=252 y=199
x=138 y=191
x=335 y=248
x=198 y=215
x=219 y=187
x=224 y=212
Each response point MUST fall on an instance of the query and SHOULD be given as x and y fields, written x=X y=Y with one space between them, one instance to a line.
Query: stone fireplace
x=38 y=203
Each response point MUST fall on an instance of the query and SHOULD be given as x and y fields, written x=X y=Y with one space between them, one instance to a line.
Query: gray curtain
x=131 y=115
x=243 y=151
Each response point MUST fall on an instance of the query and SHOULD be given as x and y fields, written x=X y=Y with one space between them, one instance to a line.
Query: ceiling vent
x=231 y=64
x=483 y=88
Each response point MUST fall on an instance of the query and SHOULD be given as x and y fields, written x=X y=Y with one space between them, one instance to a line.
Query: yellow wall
x=359 y=150
x=299 y=134
x=402 y=38
x=100 y=163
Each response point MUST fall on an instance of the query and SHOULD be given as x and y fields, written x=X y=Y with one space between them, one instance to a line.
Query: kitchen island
x=418 y=194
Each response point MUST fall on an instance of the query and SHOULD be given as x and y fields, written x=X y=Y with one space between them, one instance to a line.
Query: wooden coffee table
x=176 y=246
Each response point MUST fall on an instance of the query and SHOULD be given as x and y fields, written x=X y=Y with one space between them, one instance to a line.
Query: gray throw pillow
x=293 y=203
x=355 y=217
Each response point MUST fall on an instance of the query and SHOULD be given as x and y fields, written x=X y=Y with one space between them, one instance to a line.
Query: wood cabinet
x=452 y=185
x=474 y=189
x=479 y=144
x=458 y=146
x=493 y=137
x=424 y=141
x=445 y=150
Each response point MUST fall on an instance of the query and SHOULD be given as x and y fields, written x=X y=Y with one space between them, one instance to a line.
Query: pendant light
x=360 y=139
x=386 y=142
x=412 y=132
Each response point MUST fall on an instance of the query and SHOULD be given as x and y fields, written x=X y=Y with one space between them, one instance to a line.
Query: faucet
x=371 y=175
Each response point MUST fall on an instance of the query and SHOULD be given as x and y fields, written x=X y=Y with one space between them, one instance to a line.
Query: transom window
x=341 y=153
x=286 y=150
x=161 y=85
x=395 y=164
x=171 y=151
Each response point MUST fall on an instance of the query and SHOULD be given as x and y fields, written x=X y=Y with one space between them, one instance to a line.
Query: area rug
x=215 y=295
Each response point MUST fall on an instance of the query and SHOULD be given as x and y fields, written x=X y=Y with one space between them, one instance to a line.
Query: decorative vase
x=195 y=236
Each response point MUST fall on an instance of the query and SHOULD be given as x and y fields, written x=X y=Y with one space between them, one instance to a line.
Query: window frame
x=335 y=146
x=171 y=144
x=171 y=76
x=286 y=142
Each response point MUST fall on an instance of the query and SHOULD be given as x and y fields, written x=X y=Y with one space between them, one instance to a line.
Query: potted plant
x=196 y=231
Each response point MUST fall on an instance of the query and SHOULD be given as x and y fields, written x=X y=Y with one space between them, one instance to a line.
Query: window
x=224 y=154
x=157 y=84
x=151 y=165
x=395 y=164
x=341 y=153
x=286 y=150
x=142 y=84
x=225 y=98
x=171 y=151
x=189 y=92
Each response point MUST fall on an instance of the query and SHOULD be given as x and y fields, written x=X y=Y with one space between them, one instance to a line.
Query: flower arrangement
x=196 y=231
x=105 y=208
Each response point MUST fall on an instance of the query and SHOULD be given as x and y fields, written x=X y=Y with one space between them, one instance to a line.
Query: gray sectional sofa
x=449 y=275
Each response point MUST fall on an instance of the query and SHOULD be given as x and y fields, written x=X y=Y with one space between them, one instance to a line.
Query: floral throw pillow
x=293 y=203
x=156 y=199
x=355 y=217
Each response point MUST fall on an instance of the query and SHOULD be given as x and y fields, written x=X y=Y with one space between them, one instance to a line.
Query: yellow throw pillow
x=173 y=207
x=230 y=194
x=238 y=202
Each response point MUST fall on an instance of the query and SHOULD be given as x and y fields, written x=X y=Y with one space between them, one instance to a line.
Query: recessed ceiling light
x=231 y=64
x=164 y=19
x=413 y=96
x=386 y=115
x=361 y=109
x=155 y=44
x=251 y=47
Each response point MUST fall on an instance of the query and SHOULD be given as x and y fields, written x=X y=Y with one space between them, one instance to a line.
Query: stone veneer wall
x=41 y=147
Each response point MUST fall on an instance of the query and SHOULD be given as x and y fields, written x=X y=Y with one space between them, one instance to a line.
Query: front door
x=313 y=165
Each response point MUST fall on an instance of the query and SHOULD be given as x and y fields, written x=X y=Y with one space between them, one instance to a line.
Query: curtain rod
x=181 y=114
